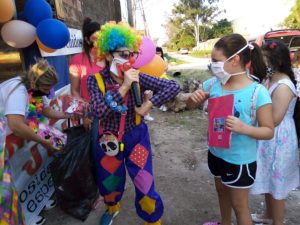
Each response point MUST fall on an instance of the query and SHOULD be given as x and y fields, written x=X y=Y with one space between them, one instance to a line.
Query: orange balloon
x=44 y=47
x=155 y=68
x=7 y=10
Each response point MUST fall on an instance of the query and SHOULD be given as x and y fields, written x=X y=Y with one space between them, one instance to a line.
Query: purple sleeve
x=164 y=90
x=99 y=107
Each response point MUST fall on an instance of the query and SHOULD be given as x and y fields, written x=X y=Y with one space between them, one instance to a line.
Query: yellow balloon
x=44 y=47
x=7 y=10
x=155 y=68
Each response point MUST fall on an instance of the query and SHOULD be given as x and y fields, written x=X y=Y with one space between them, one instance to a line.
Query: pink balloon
x=146 y=53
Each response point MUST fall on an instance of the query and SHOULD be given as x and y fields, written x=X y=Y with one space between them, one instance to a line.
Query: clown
x=121 y=128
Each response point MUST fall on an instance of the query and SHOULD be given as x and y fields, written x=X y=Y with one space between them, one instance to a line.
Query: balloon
x=147 y=52
x=43 y=47
x=7 y=10
x=36 y=11
x=53 y=33
x=18 y=33
x=155 y=68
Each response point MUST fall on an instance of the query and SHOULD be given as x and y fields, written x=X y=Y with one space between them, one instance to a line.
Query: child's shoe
x=110 y=214
x=158 y=222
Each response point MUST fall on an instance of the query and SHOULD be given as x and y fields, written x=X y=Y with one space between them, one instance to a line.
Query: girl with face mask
x=278 y=158
x=234 y=169
x=123 y=138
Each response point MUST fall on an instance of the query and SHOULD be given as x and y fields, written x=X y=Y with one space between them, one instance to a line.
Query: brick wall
x=74 y=11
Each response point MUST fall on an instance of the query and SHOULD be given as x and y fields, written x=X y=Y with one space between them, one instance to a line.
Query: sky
x=250 y=13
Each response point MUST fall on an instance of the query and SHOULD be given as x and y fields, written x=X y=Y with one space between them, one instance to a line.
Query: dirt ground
x=181 y=175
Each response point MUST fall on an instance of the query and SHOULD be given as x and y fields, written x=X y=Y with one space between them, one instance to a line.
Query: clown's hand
x=144 y=109
x=148 y=94
x=130 y=76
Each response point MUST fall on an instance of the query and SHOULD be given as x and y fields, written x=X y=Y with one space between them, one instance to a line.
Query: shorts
x=232 y=175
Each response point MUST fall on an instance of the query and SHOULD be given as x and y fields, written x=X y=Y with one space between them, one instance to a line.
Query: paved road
x=193 y=62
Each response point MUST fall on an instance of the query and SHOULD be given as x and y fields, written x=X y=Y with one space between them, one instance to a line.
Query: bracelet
x=113 y=104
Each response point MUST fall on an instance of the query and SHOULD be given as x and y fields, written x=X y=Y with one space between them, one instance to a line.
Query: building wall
x=74 y=11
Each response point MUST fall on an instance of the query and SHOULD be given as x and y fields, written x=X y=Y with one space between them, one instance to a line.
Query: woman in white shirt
x=15 y=96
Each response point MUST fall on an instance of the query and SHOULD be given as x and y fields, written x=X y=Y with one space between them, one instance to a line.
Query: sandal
x=212 y=223
x=258 y=218
x=39 y=220
x=50 y=204
x=98 y=202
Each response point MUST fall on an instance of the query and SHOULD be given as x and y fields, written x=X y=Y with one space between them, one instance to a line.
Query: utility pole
x=140 y=7
x=130 y=13
x=134 y=12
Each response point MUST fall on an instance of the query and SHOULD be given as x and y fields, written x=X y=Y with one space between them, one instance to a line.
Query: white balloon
x=18 y=34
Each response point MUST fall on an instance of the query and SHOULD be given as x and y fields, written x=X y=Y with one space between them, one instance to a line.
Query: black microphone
x=135 y=89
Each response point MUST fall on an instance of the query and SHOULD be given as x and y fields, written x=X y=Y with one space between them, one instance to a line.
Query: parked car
x=291 y=38
x=184 y=51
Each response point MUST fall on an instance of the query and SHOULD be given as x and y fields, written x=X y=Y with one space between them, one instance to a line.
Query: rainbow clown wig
x=113 y=36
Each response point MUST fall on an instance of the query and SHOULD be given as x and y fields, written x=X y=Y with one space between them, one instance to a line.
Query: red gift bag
x=219 y=108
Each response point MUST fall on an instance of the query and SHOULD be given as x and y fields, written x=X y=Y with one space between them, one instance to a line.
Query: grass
x=201 y=54
x=173 y=61
x=190 y=74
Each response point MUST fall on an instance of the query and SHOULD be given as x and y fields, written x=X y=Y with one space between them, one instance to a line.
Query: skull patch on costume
x=109 y=144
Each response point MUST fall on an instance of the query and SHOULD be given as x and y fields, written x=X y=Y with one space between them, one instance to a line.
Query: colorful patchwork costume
x=118 y=117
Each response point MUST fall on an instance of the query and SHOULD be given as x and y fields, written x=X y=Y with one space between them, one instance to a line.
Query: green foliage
x=293 y=20
x=192 y=21
x=222 y=28
x=200 y=54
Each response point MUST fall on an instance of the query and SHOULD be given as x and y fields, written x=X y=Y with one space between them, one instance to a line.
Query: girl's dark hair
x=159 y=49
x=88 y=28
x=232 y=43
x=278 y=58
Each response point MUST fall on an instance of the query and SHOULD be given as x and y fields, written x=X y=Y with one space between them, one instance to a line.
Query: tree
x=221 y=28
x=293 y=20
x=196 y=14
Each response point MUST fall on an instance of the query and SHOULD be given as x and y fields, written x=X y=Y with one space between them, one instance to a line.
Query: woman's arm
x=19 y=128
x=265 y=131
x=74 y=80
x=281 y=98
x=53 y=114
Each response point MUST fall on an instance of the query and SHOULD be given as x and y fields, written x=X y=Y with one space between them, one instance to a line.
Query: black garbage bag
x=72 y=174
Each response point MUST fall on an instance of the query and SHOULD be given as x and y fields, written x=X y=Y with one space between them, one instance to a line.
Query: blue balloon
x=53 y=33
x=36 y=11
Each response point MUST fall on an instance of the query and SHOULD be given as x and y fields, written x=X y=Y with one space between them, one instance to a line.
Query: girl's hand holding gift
x=236 y=125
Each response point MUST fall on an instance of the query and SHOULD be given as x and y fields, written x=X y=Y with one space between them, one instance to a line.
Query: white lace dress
x=278 y=158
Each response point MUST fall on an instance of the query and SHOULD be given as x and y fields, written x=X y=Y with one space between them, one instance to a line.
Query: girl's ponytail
x=258 y=66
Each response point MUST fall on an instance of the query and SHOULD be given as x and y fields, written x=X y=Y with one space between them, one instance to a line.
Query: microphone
x=135 y=87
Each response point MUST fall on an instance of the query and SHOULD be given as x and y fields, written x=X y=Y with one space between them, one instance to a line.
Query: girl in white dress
x=278 y=158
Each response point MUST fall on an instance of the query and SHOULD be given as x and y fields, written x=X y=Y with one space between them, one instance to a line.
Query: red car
x=291 y=37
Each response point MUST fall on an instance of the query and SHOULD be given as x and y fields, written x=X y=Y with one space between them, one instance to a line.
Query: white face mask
x=217 y=68
x=114 y=63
